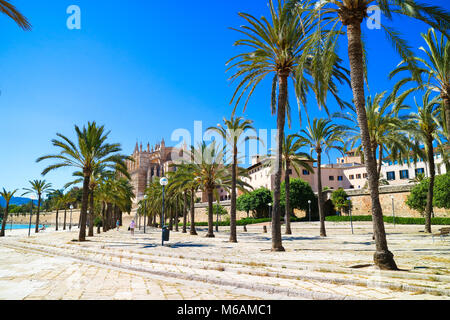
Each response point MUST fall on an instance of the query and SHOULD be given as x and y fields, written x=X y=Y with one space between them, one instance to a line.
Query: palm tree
x=56 y=198
x=10 y=10
x=386 y=130
x=436 y=70
x=91 y=152
x=322 y=136
x=7 y=195
x=209 y=172
x=232 y=132
x=283 y=49
x=292 y=158
x=38 y=187
x=351 y=14
x=425 y=131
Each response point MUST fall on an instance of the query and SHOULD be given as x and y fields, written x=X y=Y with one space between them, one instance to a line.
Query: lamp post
x=309 y=205
x=393 y=212
x=163 y=182
x=351 y=220
x=70 y=225
x=145 y=213
x=270 y=210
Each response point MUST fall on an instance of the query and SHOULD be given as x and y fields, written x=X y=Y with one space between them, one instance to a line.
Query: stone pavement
x=115 y=265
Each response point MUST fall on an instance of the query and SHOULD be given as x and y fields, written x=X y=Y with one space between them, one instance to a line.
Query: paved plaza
x=116 y=265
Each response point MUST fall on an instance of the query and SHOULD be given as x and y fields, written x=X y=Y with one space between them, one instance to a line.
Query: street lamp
x=163 y=182
x=270 y=210
x=70 y=225
x=393 y=212
x=309 y=205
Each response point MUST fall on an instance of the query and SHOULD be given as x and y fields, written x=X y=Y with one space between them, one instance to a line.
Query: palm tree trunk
x=192 y=230
x=5 y=218
x=380 y=156
x=281 y=119
x=210 y=233
x=383 y=258
x=104 y=216
x=429 y=206
x=65 y=215
x=446 y=100
x=184 y=211
x=176 y=215
x=84 y=206
x=36 y=229
x=233 y=234
x=323 y=232
x=56 y=227
x=287 y=214
x=91 y=213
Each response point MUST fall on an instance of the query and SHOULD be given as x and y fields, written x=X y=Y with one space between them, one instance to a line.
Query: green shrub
x=389 y=219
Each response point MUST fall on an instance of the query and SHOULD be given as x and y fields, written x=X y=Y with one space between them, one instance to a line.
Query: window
x=305 y=172
x=395 y=162
x=331 y=178
x=340 y=178
x=358 y=176
x=404 y=174
x=390 y=163
x=351 y=177
x=420 y=171
x=390 y=175
x=352 y=187
x=405 y=161
x=364 y=175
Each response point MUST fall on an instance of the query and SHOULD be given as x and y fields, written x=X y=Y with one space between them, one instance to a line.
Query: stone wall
x=362 y=202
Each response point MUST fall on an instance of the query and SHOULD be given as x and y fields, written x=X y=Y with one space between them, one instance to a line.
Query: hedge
x=389 y=219
x=242 y=222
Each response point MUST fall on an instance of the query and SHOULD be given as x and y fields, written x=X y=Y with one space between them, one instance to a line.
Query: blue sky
x=141 y=68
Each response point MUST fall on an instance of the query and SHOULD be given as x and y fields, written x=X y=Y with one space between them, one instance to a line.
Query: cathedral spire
x=136 y=149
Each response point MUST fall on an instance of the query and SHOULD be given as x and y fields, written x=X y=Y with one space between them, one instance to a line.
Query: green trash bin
x=165 y=233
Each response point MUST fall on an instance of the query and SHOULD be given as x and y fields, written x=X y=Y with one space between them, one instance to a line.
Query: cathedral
x=149 y=164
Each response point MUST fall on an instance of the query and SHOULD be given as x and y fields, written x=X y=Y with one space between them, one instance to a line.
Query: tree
x=293 y=158
x=435 y=68
x=56 y=198
x=281 y=48
x=350 y=14
x=425 y=130
x=300 y=192
x=340 y=200
x=39 y=188
x=90 y=152
x=442 y=191
x=232 y=132
x=7 y=195
x=322 y=136
x=256 y=201
x=417 y=199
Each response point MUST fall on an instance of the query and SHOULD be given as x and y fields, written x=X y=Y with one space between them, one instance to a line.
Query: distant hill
x=17 y=201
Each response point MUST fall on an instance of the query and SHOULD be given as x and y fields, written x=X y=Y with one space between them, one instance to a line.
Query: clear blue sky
x=142 y=68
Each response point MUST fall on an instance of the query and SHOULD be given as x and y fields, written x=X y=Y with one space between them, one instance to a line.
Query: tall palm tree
x=425 y=130
x=292 y=158
x=386 y=130
x=210 y=172
x=11 y=11
x=435 y=69
x=56 y=198
x=7 y=195
x=39 y=188
x=296 y=159
x=281 y=49
x=91 y=151
x=322 y=135
x=351 y=14
x=232 y=132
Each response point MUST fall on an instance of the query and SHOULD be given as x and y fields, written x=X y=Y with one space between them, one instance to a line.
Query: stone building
x=149 y=164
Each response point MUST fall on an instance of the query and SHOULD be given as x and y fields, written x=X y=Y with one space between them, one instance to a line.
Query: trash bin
x=165 y=233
